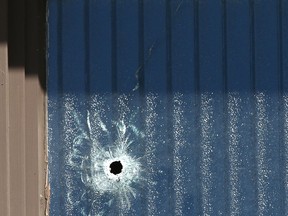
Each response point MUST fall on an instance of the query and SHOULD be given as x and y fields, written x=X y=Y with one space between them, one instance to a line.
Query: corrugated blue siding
x=198 y=87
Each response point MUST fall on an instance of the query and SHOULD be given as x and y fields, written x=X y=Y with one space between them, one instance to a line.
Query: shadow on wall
x=24 y=30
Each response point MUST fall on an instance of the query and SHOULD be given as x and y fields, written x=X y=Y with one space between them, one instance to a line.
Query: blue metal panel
x=99 y=46
x=190 y=97
x=238 y=29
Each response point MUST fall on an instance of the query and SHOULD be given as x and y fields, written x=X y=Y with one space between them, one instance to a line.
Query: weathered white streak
x=179 y=142
x=233 y=132
x=206 y=120
x=67 y=138
x=150 y=120
x=262 y=169
x=286 y=151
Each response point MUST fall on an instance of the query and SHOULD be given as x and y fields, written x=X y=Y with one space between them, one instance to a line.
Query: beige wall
x=23 y=163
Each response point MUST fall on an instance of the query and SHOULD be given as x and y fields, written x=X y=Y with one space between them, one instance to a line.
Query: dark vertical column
x=127 y=49
x=100 y=43
x=284 y=46
x=140 y=70
x=114 y=45
x=266 y=54
x=169 y=45
x=252 y=42
x=196 y=50
x=155 y=46
x=87 y=69
x=224 y=47
x=238 y=46
x=210 y=47
x=182 y=47
x=73 y=48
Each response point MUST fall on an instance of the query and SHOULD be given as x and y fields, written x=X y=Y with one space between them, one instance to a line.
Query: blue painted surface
x=201 y=88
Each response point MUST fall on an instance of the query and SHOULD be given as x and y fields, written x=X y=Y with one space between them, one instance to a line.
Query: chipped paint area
x=161 y=151
x=92 y=144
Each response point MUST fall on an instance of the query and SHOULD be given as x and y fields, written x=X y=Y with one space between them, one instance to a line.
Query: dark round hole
x=116 y=167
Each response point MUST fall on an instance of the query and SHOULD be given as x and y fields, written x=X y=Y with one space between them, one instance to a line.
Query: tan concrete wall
x=23 y=163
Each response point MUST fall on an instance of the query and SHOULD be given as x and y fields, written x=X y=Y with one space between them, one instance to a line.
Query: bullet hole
x=116 y=167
